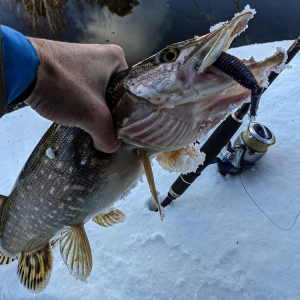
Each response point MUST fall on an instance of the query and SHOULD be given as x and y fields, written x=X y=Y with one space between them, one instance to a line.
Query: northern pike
x=163 y=103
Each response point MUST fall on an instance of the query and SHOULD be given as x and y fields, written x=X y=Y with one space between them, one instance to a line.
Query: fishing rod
x=223 y=134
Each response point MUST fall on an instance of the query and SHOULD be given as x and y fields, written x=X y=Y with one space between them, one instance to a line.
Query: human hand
x=71 y=86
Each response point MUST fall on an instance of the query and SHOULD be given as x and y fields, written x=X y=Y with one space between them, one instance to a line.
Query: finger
x=104 y=137
x=115 y=55
x=99 y=124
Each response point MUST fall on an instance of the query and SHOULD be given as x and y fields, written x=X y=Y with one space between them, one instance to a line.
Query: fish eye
x=169 y=55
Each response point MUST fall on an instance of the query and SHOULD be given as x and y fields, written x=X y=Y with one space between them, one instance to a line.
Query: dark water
x=142 y=27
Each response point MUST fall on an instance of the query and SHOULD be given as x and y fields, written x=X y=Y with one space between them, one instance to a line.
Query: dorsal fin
x=34 y=268
x=5 y=260
x=76 y=251
x=109 y=219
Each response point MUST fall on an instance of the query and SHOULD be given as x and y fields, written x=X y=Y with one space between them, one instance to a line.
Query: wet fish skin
x=70 y=189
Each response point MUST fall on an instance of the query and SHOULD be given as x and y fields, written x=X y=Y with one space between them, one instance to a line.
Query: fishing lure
x=237 y=70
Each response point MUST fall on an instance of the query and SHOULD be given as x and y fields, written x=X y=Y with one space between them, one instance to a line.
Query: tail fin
x=5 y=260
x=34 y=268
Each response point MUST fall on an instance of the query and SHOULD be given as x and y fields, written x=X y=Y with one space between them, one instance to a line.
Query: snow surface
x=214 y=243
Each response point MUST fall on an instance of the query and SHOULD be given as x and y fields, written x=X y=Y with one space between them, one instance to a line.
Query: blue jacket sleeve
x=20 y=60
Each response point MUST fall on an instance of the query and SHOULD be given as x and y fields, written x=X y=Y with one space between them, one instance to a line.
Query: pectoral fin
x=110 y=219
x=34 y=268
x=168 y=160
x=144 y=157
x=5 y=260
x=183 y=160
x=76 y=251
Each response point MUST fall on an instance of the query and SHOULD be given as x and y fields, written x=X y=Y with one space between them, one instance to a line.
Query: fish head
x=174 y=97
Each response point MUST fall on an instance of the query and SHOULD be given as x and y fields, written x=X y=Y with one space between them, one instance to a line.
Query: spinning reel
x=249 y=147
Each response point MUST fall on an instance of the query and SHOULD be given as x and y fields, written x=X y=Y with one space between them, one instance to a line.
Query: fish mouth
x=174 y=100
x=221 y=37
x=182 y=77
x=209 y=78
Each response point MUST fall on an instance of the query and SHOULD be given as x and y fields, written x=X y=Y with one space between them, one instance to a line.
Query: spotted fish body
x=161 y=104
x=67 y=190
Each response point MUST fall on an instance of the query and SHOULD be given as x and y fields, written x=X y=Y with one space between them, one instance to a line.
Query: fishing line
x=281 y=228
x=266 y=215
x=181 y=13
x=279 y=101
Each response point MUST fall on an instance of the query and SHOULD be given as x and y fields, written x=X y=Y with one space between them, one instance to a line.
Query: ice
x=220 y=24
x=247 y=9
x=217 y=26
x=283 y=65
x=184 y=160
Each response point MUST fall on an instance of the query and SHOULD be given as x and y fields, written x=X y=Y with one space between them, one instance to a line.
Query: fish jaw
x=164 y=106
x=168 y=129
x=170 y=83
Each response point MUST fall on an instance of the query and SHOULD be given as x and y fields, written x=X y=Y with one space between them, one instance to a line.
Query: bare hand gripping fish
x=161 y=104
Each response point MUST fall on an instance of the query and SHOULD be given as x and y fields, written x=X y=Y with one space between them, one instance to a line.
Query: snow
x=184 y=160
x=50 y=153
x=214 y=243
x=283 y=66
x=246 y=9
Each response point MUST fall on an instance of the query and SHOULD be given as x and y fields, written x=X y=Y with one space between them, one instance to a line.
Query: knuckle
x=113 y=55
x=117 y=55
x=117 y=51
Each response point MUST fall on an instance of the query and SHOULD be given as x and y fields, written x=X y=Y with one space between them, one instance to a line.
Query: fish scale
x=79 y=179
